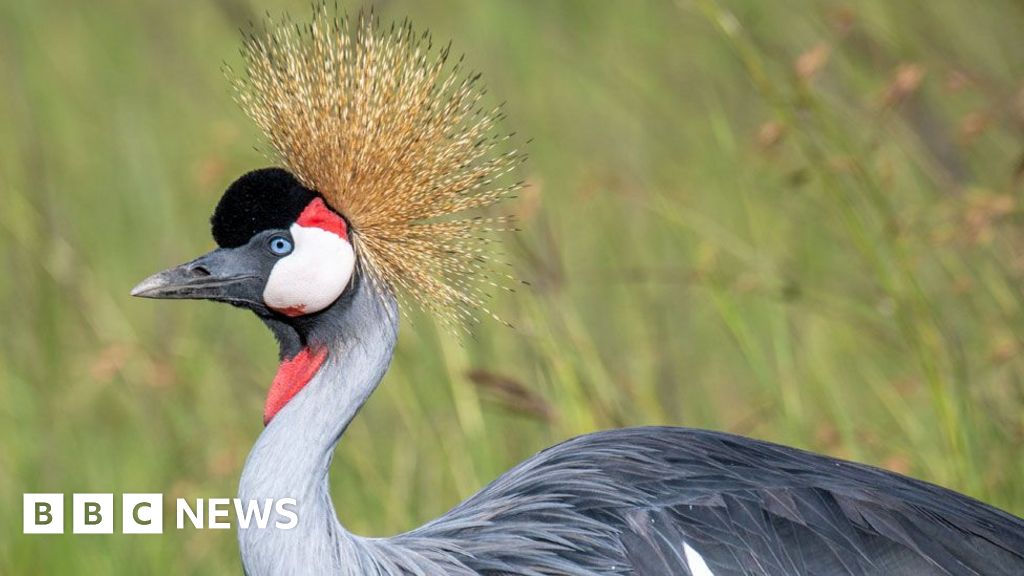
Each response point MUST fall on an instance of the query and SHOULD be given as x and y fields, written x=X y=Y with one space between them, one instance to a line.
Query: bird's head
x=282 y=251
x=387 y=150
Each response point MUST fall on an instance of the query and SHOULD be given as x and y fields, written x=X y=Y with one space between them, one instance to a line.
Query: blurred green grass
x=793 y=220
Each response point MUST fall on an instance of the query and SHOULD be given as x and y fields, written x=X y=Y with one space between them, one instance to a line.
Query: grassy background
x=795 y=220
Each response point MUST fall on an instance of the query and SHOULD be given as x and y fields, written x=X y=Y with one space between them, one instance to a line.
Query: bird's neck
x=353 y=343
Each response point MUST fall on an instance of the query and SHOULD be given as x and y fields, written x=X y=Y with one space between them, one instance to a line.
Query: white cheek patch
x=313 y=276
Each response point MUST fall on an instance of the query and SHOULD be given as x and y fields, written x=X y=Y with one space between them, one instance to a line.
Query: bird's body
x=643 y=501
x=386 y=149
x=661 y=500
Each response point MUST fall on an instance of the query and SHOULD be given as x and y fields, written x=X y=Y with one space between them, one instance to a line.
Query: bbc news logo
x=144 y=513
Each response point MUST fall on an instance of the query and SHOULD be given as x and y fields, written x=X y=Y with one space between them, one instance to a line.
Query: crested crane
x=382 y=143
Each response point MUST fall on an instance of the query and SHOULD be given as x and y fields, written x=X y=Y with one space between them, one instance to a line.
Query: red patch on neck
x=317 y=215
x=292 y=376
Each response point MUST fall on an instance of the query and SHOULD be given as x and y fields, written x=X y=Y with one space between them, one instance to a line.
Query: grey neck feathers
x=292 y=456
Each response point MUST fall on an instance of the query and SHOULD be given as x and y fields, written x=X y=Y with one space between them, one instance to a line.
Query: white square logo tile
x=92 y=513
x=142 y=513
x=43 y=513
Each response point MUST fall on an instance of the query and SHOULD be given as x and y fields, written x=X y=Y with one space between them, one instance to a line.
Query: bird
x=388 y=166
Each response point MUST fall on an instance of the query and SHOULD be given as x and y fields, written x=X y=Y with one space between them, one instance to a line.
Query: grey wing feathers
x=660 y=501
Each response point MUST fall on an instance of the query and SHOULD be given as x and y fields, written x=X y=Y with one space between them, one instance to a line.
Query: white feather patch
x=695 y=562
x=313 y=276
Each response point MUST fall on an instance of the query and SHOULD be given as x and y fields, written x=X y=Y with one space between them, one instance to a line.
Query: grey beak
x=213 y=276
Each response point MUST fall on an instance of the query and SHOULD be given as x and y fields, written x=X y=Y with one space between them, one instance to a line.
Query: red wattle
x=293 y=311
x=317 y=215
x=292 y=376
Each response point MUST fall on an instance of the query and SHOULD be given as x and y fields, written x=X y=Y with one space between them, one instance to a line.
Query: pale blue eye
x=280 y=245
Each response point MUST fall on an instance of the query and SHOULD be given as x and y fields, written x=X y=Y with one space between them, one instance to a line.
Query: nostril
x=199 y=270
